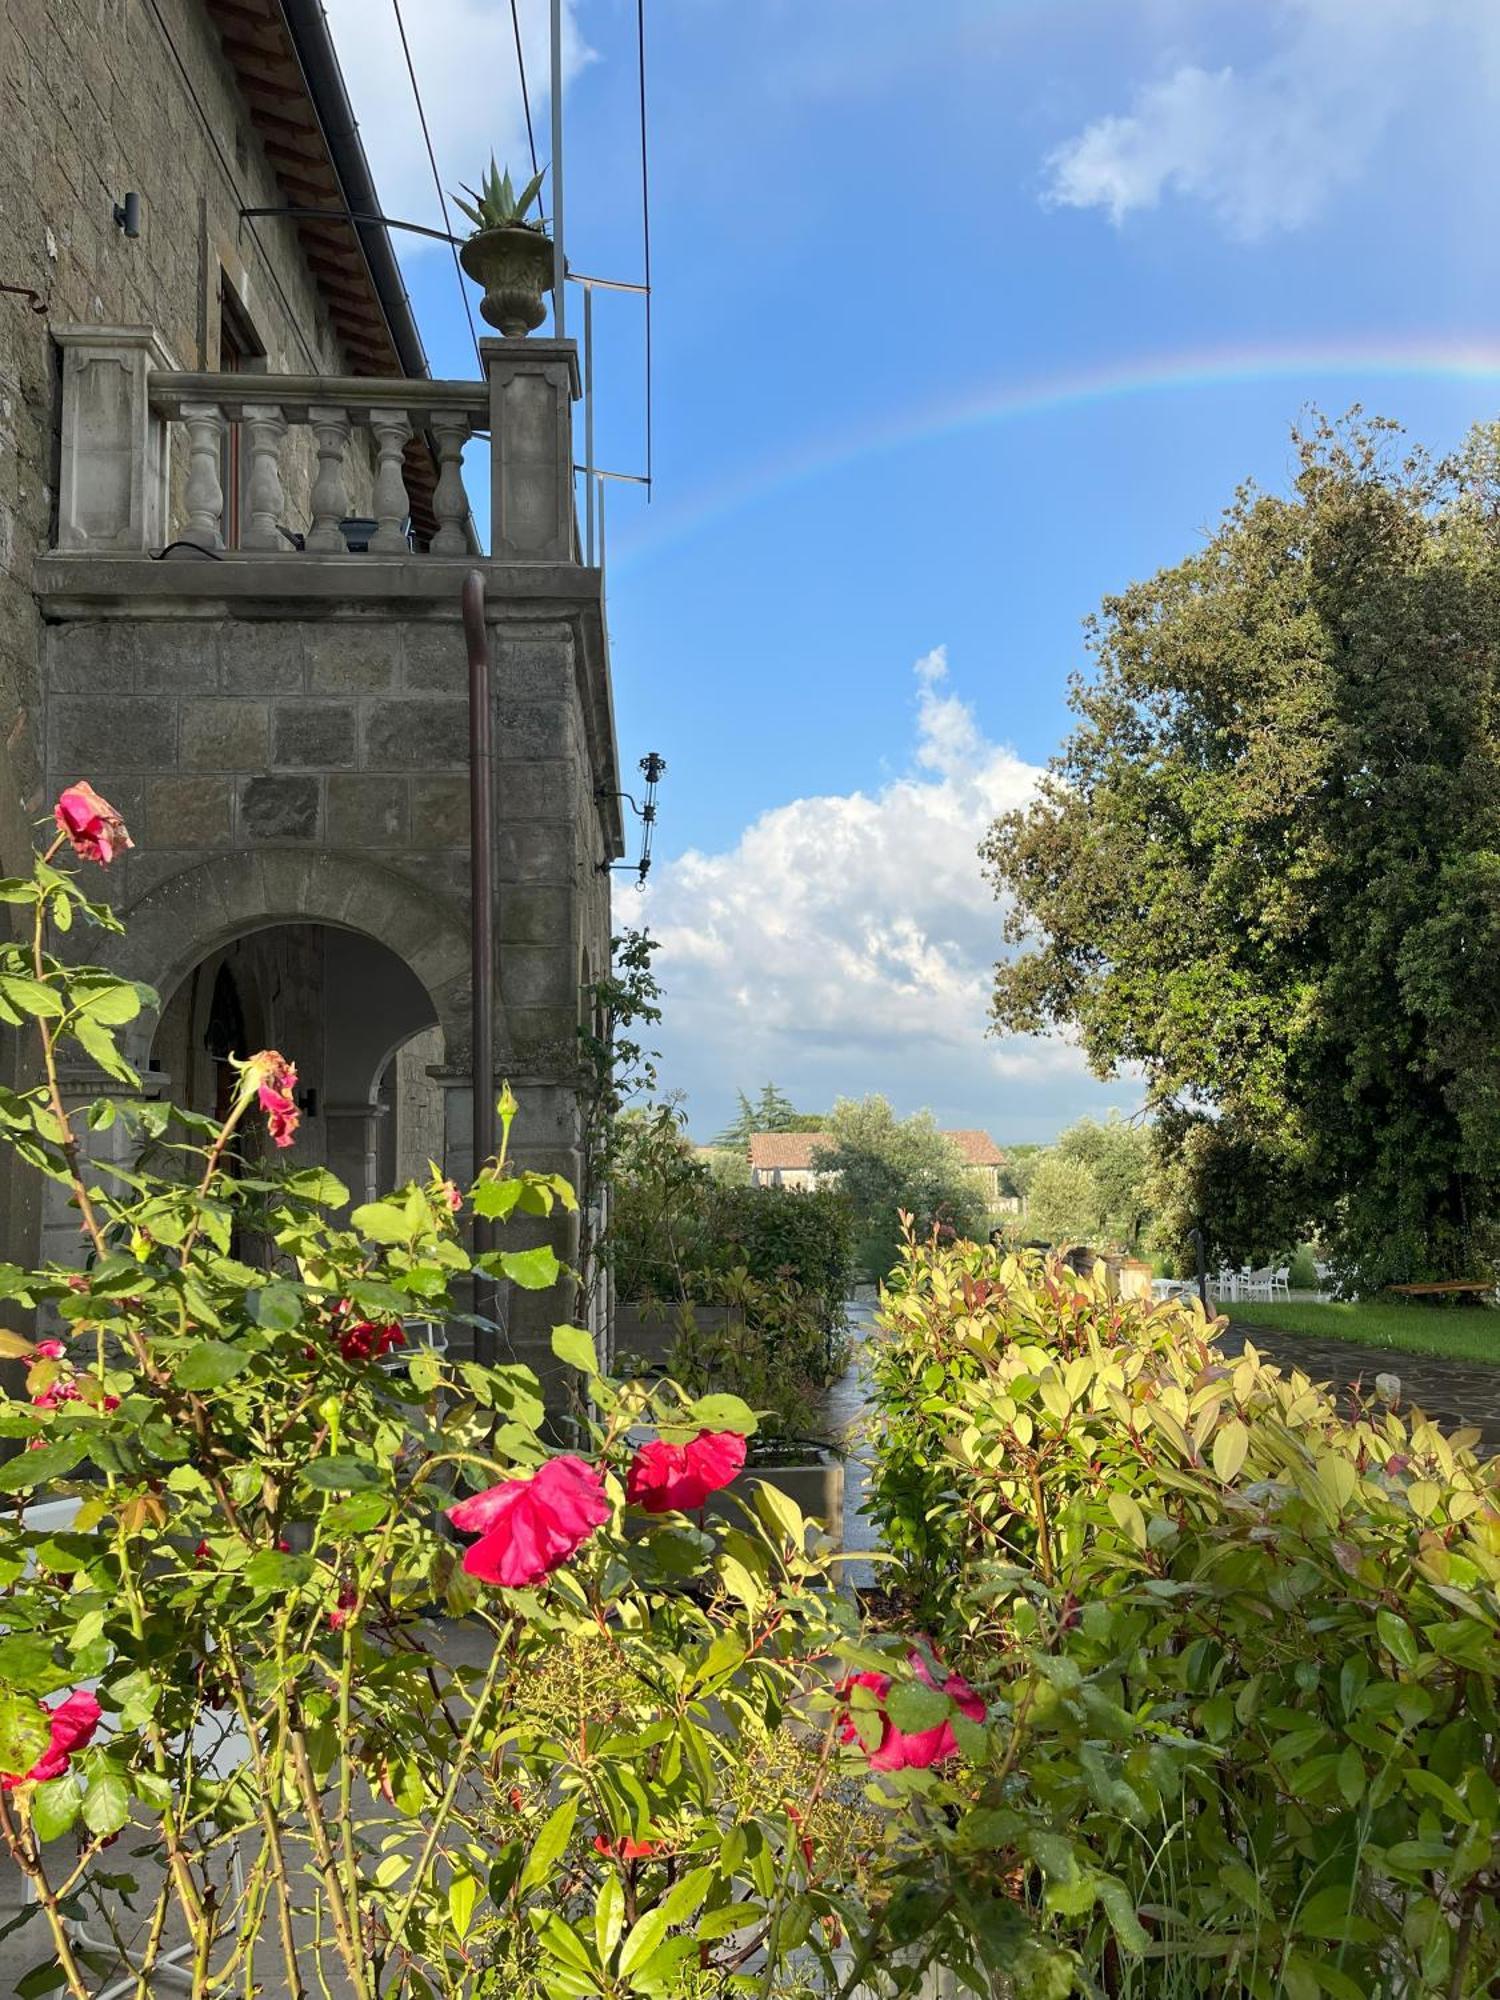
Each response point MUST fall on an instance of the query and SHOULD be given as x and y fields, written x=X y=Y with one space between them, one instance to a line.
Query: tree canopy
x=1265 y=867
x=771 y=1110
x=888 y=1164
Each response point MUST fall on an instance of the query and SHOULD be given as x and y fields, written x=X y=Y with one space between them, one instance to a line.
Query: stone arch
x=174 y=926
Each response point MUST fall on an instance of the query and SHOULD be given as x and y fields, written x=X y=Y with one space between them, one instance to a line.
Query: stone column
x=533 y=384
x=113 y=470
x=353 y=1147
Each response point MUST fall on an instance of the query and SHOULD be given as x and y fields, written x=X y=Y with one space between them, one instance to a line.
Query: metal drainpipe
x=482 y=962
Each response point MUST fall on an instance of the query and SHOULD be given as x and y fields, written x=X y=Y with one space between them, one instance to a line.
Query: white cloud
x=465 y=57
x=845 y=945
x=1265 y=146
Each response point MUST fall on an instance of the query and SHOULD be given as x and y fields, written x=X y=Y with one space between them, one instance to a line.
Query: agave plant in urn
x=507 y=253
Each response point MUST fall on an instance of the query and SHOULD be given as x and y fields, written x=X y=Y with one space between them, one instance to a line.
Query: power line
x=437 y=181
x=515 y=22
x=640 y=47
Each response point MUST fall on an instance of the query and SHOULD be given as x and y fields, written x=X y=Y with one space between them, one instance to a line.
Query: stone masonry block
x=440 y=811
x=180 y=658
x=538 y=976
x=352 y=659
x=223 y=736
x=367 y=812
x=131 y=734
x=264 y=657
x=279 y=808
x=437 y=660
x=313 y=734
x=87 y=659
x=188 y=812
x=532 y=666
x=535 y=791
x=533 y=729
x=419 y=734
x=532 y=914
x=534 y=854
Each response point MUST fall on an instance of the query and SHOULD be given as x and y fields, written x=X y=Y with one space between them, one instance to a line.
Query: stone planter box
x=815 y=1484
x=632 y=1331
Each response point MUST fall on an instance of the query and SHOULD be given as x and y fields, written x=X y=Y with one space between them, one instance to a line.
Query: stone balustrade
x=124 y=412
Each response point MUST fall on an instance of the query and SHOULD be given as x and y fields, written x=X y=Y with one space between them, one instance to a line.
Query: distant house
x=790 y=1159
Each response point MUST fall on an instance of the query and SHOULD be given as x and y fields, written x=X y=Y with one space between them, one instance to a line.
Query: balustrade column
x=265 y=427
x=450 y=430
x=205 y=426
x=330 y=494
x=392 y=428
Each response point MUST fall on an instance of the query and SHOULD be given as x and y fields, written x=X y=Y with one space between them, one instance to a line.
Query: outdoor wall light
x=128 y=214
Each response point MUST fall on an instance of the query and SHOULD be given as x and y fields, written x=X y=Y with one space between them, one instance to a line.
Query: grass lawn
x=1462 y=1333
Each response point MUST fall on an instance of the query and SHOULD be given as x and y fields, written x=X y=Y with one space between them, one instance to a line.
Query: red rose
x=73 y=1723
x=92 y=825
x=528 y=1527
x=276 y=1088
x=367 y=1341
x=897 y=1750
x=49 y=1350
x=678 y=1478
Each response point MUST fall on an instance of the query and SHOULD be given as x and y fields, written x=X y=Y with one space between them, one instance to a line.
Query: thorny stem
x=328 y=1868
x=267 y=1793
x=29 y=1861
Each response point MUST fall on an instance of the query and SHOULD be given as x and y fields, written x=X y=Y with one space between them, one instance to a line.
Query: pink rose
x=73 y=1723
x=276 y=1087
x=678 y=1478
x=528 y=1527
x=92 y=825
x=49 y=1350
x=897 y=1749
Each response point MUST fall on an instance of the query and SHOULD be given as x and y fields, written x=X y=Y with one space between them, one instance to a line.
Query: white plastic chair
x=1281 y=1282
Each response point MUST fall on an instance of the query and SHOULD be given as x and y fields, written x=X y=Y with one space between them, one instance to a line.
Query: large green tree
x=770 y=1110
x=1265 y=867
x=887 y=1165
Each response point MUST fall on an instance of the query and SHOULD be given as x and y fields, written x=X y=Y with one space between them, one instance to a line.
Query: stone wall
x=98 y=100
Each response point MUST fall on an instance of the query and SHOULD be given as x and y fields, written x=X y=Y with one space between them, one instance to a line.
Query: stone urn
x=514 y=266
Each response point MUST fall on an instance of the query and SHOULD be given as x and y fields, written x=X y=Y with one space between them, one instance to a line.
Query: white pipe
x=588 y=413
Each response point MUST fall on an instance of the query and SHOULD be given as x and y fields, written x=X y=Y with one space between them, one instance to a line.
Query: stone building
x=193 y=421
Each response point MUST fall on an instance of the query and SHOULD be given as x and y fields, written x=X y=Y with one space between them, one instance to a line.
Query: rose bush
x=257 y=1633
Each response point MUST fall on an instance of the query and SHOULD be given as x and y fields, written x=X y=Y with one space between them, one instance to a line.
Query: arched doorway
x=335 y=1002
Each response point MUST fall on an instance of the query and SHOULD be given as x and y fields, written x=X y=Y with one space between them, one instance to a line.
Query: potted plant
x=508 y=255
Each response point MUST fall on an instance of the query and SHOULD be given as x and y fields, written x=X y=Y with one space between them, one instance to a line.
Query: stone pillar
x=112 y=478
x=353 y=1147
x=533 y=384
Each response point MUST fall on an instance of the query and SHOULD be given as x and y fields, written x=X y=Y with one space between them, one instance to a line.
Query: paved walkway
x=1456 y=1394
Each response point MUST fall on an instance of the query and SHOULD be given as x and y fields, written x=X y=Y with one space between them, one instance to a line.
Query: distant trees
x=1092 y=1186
x=1265 y=867
x=888 y=1164
x=771 y=1110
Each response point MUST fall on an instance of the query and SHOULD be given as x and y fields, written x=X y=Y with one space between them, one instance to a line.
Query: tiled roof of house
x=978 y=1149
x=793 y=1151
x=785 y=1149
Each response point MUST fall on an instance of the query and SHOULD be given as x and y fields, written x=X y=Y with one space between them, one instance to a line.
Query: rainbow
x=1306 y=363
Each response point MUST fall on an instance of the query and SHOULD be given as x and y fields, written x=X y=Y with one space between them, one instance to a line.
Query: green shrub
x=1303 y=1271
x=1239 y=1650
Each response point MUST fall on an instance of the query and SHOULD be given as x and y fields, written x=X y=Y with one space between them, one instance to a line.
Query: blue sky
x=967 y=313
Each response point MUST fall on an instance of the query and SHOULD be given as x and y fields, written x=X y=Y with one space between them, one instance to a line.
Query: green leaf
x=317 y=1184
x=1397 y=1638
x=549 y=1845
x=32 y=996
x=1231 y=1446
x=609 y=1915
x=683 y=1899
x=494 y=1200
x=532 y=1270
x=112 y=1001
x=210 y=1365
x=106 y=1803
x=644 y=1937
x=342 y=1474
x=1351 y=1775
x=382 y=1222
x=463 y=1895
x=575 y=1348
x=1128 y=1517
x=724 y=1413
x=913 y=1707
x=54 y=1806
x=46 y=1978
x=1119 y=1907
x=24 y=1733
x=278 y=1307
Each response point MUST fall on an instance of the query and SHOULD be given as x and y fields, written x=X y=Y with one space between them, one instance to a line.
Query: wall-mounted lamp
x=128 y=214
